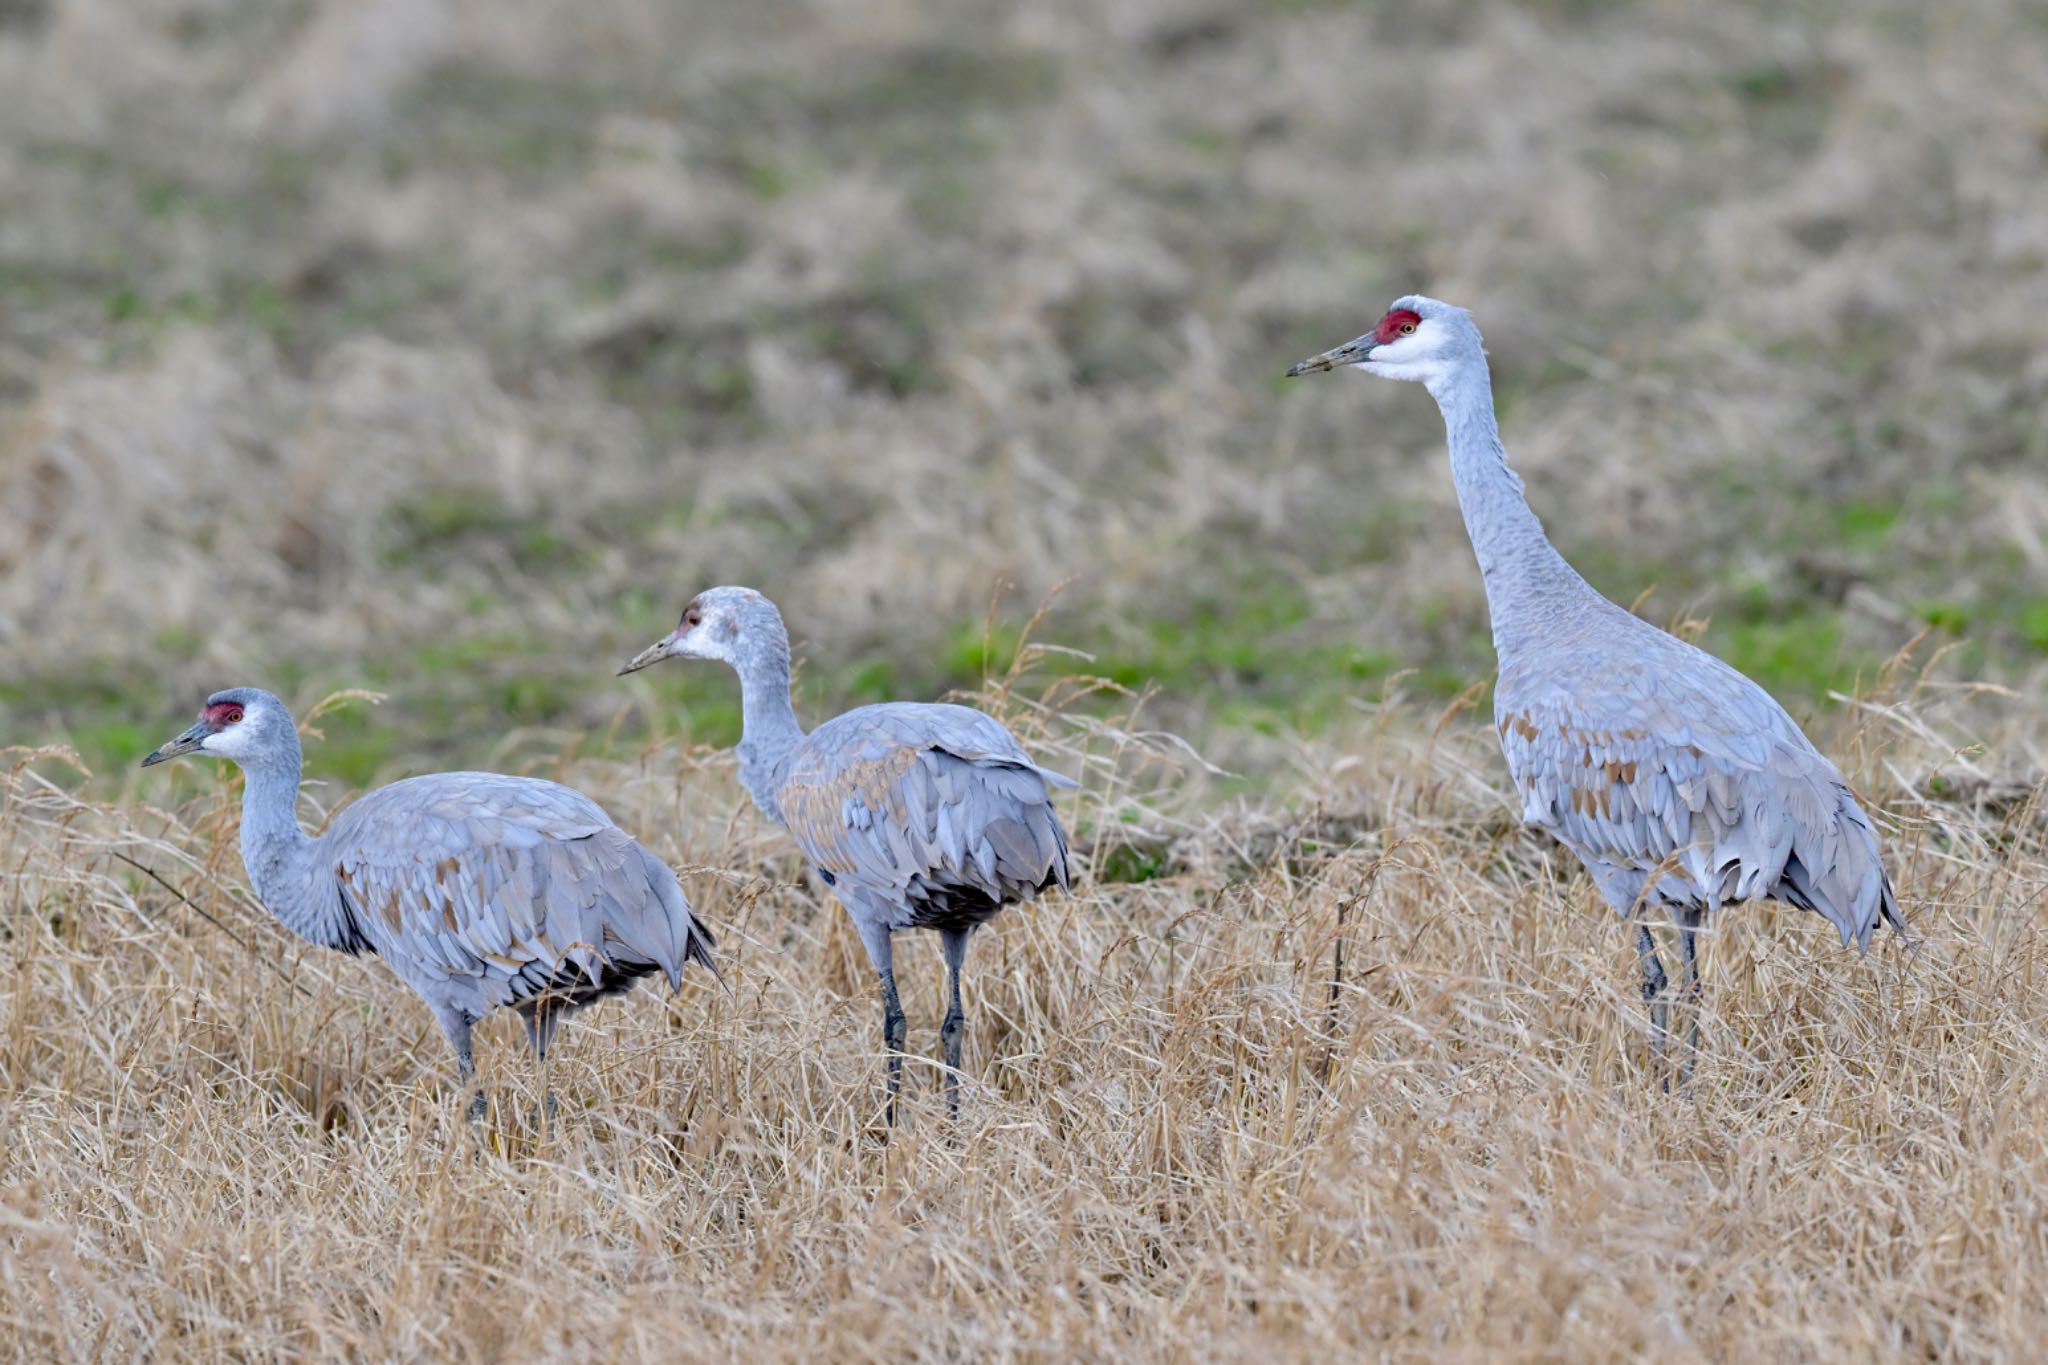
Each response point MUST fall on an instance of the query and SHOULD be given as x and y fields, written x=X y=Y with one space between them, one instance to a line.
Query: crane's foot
x=478 y=1107
x=546 y=1111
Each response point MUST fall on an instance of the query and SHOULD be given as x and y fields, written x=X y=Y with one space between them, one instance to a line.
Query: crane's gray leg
x=457 y=1025
x=951 y=1031
x=882 y=953
x=893 y=1030
x=1654 y=982
x=1688 y=930
x=542 y=1017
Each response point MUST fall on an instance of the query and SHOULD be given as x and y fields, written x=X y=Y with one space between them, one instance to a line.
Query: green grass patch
x=2033 y=624
x=356 y=747
x=110 y=744
x=1251 y=654
x=1866 y=525
x=1797 y=654
x=980 y=649
x=1128 y=866
x=1949 y=616
x=872 y=682
x=702 y=701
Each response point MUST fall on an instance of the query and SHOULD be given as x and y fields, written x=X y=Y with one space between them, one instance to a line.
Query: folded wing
x=509 y=887
x=935 y=808
x=1692 y=783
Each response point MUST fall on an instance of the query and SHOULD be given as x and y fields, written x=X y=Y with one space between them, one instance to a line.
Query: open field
x=1189 y=1135
x=443 y=349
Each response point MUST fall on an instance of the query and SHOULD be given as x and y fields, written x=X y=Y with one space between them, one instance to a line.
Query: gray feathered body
x=922 y=816
x=483 y=890
x=1680 y=783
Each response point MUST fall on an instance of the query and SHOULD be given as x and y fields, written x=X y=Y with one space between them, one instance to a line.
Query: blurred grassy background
x=446 y=348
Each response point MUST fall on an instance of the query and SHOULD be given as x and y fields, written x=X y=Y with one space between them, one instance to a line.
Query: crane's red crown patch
x=222 y=714
x=1396 y=325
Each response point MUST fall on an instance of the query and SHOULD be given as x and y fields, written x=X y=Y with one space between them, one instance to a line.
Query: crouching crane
x=1678 y=782
x=479 y=890
x=917 y=816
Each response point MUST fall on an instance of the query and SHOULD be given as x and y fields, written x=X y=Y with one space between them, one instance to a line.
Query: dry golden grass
x=1184 y=1135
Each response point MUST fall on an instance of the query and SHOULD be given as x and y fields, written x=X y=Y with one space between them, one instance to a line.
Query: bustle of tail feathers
x=1059 y=872
x=1887 y=903
x=698 y=949
x=1888 y=910
x=1855 y=822
x=1053 y=779
x=697 y=939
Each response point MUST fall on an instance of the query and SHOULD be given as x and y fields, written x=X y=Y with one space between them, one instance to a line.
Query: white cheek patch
x=231 y=742
x=702 y=644
x=1400 y=348
x=1415 y=356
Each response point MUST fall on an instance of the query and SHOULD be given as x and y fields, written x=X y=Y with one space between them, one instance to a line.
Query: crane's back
x=528 y=804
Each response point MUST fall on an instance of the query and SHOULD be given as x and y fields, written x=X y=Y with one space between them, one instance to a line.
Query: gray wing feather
x=1680 y=780
x=502 y=883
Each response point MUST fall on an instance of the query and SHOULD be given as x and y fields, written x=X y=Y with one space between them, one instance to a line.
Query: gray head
x=1419 y=338
x=735 y=625
x=245 y=724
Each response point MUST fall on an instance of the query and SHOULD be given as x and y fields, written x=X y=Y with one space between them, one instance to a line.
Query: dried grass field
x=436 y=351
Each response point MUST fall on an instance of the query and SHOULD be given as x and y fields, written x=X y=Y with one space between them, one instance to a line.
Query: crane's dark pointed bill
x=183 y=744
x=1350 y=353
x=653 y=654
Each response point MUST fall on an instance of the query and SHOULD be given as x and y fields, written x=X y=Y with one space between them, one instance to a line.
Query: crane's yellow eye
x=1407 y=328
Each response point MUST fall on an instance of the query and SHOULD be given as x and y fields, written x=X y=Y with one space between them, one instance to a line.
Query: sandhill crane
x=917 y=816
x=478 y=889
x=1678 y=782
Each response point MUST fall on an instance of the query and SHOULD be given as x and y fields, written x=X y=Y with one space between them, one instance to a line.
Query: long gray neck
x=769 y=728
x=284 y=865
x=1528 y=583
